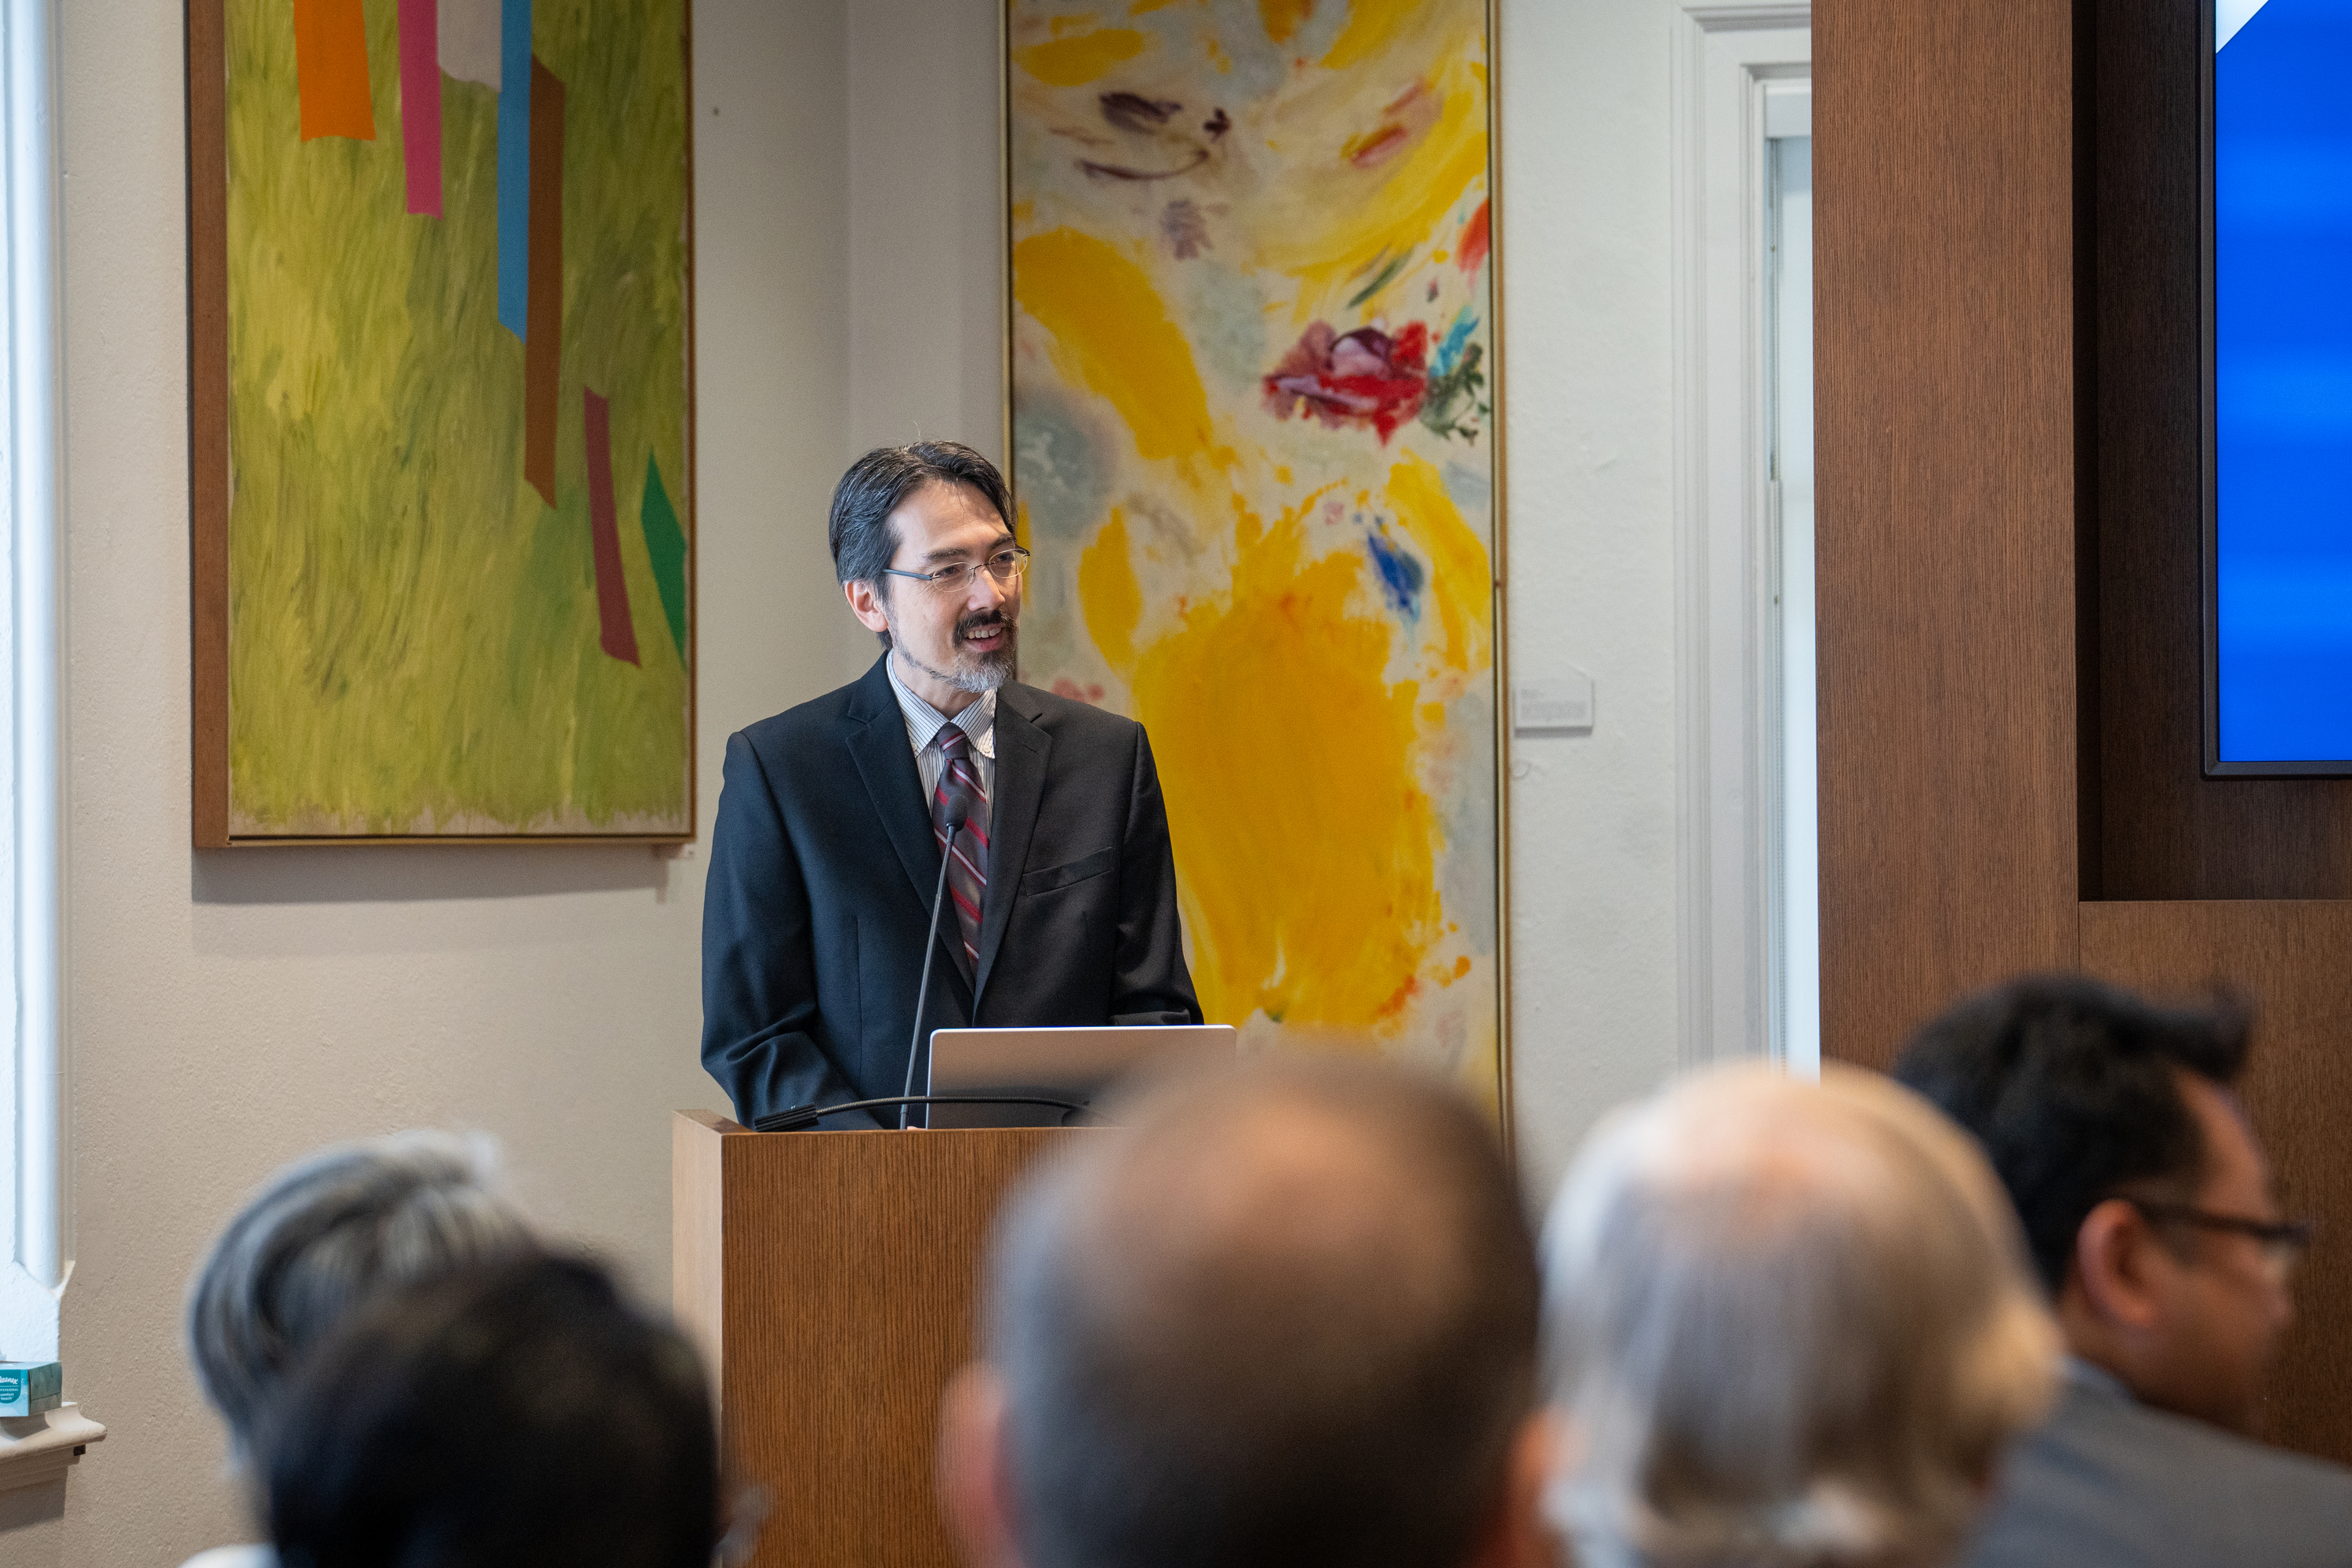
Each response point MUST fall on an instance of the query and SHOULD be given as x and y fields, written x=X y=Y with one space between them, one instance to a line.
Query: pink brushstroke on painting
x=420 y=103
x=618 y=638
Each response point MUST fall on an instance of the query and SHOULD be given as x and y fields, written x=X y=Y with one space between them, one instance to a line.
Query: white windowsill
x=38 y=1448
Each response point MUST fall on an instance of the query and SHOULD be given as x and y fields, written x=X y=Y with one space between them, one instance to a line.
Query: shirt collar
x=2086 y=1374
x=924 y=722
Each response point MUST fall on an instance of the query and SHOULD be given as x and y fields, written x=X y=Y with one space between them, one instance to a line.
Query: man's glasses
x=2284 y=1241
x=1006 y=566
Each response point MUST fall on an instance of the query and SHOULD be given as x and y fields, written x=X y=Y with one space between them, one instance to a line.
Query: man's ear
x=2119 y=1262
x=1522 y=1537
x=866 y=604
x=974 y=1486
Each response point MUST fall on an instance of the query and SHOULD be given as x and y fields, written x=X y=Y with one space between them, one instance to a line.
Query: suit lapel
x=876 y=733
x=1022 y=748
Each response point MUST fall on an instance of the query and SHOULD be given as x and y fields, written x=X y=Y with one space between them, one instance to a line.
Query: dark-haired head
x=858 y=528
x=2073 y=1087
x=513 y=1415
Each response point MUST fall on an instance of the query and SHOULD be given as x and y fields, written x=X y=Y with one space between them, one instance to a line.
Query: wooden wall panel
x=1944 y=233
x=2009 y=580
x=2294 y=960
x=2168 y=831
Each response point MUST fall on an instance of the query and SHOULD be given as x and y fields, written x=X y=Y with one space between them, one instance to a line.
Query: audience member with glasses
x=1031 y=821
x=2149 y=1211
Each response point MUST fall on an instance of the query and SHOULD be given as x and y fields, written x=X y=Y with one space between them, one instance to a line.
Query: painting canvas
x=444 y=490
x=1253 y=450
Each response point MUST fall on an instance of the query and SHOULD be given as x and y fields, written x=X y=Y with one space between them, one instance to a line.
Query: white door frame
x=1728 y=54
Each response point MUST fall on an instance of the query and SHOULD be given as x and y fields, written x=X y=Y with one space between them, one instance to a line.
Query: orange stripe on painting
x=1475 y=238
x=542 y=358
x=331 y=69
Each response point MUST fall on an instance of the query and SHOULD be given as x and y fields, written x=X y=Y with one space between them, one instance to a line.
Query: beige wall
x=229 y=1011
x=1588 y=328
x=926 y=292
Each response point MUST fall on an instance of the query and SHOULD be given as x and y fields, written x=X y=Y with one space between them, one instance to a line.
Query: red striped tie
x=967 y=856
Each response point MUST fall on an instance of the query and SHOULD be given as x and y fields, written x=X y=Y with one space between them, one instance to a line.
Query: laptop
x=1076 y=1066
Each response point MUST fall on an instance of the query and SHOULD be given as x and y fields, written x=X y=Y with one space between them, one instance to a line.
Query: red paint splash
x=1371 y=151
x=616 y=632
x=1475 y=240
x=1364 y=379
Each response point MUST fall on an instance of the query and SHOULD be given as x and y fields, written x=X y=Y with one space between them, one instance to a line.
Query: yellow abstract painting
x=1254 y=451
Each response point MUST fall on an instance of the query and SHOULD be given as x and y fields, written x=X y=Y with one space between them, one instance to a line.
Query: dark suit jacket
x=2108 y=1482
x=823 y=864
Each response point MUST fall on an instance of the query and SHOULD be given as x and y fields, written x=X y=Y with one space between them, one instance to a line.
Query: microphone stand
x=958 y=809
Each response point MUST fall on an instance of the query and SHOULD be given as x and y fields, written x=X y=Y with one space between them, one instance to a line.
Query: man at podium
x=1059 y=900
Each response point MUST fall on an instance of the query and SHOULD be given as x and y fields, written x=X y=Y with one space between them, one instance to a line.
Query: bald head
x=1286 y=1315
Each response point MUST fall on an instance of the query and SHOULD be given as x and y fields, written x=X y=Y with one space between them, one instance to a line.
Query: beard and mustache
x=974 y=671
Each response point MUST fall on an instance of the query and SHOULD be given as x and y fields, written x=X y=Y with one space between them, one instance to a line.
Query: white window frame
x=35 y=1217
x=1726 y=55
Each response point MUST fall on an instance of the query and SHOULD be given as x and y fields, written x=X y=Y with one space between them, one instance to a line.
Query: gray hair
x=1286 y=1315
x=326 y=1233
x=1790 y=1324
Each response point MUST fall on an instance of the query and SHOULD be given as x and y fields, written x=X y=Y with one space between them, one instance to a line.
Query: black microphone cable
x=958 y=807
x=799 y=1116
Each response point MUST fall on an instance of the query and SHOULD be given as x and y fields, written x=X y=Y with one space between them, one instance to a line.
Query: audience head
x=2111 y=1123
x=517 y=1415
x=1285 y=1314
x=322 y=1236
x=1788 y=1323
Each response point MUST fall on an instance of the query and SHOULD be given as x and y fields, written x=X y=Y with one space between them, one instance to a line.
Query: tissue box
x=29 y=1387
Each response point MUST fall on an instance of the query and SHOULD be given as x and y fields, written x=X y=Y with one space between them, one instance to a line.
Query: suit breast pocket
x=1050 y=878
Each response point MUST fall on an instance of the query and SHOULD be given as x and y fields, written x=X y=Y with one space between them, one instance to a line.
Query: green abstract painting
x=459 y=560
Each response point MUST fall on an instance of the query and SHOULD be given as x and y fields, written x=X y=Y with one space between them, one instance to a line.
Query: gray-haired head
x=1284 y=1315
x=1790 y=1324
x=324 y=1235
x=858 y=528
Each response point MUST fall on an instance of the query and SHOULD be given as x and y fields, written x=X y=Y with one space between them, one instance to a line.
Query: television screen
x=2279 y=481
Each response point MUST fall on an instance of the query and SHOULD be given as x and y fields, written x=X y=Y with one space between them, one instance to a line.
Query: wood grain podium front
x=830 y=1279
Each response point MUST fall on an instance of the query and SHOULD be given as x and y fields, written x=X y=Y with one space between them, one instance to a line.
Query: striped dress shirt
x=978 y=722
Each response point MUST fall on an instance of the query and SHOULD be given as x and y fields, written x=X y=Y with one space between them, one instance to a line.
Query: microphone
x=958 y=807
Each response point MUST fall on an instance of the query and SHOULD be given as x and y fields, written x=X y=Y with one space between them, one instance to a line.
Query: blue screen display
x=2283 y=379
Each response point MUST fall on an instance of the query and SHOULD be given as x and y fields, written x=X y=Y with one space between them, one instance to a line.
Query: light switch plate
x=1562 y=705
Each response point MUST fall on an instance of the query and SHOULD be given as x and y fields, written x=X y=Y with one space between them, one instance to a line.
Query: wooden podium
x=829 y=1279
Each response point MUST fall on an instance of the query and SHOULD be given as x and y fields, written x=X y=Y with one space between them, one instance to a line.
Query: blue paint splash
x=1402 y=576
x=514 y=166
x=1457 y=337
